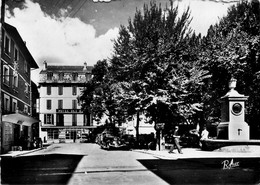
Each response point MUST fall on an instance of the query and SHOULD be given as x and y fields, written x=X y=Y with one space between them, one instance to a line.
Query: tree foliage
x=231 y=49
x=155 y=60
x=98 y=96
x=161 y=67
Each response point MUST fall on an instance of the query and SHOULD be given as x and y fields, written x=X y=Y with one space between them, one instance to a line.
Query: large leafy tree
x=155 y=61
x=232 y=49
x=98 y=96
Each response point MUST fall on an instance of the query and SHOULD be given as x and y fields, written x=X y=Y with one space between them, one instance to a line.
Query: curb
x=20 y=153
x=157 y=154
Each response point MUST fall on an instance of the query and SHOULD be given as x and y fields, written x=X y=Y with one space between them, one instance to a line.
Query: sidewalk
x=253 y=151
x=19 y=153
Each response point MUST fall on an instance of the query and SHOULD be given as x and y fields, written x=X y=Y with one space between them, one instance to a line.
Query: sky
x=71 y=32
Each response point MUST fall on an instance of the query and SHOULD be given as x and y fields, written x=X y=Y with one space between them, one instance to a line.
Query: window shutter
x=45 y=118
x=52 y=119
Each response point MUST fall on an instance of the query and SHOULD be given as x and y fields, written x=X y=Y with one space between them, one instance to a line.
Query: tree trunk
x=137 y=128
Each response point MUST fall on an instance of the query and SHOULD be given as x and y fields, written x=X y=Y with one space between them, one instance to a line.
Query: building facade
x=62 y=119
x=16 y=91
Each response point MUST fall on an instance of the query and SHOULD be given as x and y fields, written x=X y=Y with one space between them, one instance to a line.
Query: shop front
x=65 y=134
x=16 y=129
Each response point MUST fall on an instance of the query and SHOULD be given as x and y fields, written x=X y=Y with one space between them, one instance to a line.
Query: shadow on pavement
x=39 y=169
x=206 y=170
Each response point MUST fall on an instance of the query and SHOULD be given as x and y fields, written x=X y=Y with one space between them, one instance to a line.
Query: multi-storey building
x=60 y=112
x=16 y=95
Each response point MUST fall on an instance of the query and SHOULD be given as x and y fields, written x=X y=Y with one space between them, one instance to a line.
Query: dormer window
x=49 y=76
x=74 y=76
x=61 y=75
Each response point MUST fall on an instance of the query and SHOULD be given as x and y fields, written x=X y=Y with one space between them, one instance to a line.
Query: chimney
x=85 y=66
x=44 y=65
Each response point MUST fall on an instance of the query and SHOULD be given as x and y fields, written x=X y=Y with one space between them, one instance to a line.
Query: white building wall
x=67 y=120
x=67 y=98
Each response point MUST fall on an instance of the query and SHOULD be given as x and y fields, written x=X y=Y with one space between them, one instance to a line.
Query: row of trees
x=161 y=68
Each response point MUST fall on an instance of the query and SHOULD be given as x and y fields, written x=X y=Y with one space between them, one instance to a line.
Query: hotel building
x=62 y=119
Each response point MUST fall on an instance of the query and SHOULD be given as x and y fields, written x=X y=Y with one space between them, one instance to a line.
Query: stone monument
x=233 y=126
x=232 y=130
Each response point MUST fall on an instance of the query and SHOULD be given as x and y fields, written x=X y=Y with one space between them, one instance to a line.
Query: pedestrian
x=28 y=141
x=176 y=141
x=204 y=134
x=34 y=144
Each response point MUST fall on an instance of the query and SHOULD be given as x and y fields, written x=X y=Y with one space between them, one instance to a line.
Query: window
x=14 y=105
x=59 y=120
x=74 y=119
x=15 y=81
x=7 y=44
x=48 y=104
x=61 y=75
x=26 y=90
x=74 y=76
x=60 y=104
x=6 y=103
x=49 y=76
x=6 y=75
x=74 y=90
x=48 y=90
x=60 y=90
x=48 y=119
x=74 y=104
x=16 y=54
x=25 y=109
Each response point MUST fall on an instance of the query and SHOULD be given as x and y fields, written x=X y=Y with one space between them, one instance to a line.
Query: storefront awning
x=18 y=118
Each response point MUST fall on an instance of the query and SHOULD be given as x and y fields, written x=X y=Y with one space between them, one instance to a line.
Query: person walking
x=176 y=141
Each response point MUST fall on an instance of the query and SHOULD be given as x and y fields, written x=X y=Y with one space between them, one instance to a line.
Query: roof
x=62 y=68
x=12 y=31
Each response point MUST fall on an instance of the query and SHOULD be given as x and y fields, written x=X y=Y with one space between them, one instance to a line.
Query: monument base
x=213 y=144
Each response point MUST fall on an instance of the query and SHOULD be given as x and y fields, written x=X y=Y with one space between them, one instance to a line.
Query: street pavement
x=85 y=163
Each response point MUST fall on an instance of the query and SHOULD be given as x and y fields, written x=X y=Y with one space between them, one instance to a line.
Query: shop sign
x=69 y=111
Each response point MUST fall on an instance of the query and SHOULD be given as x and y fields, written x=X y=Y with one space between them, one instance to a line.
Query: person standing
x=204 y=134
x=176 y=141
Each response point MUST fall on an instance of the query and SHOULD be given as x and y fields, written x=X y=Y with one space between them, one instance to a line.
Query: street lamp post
x=137 y=126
